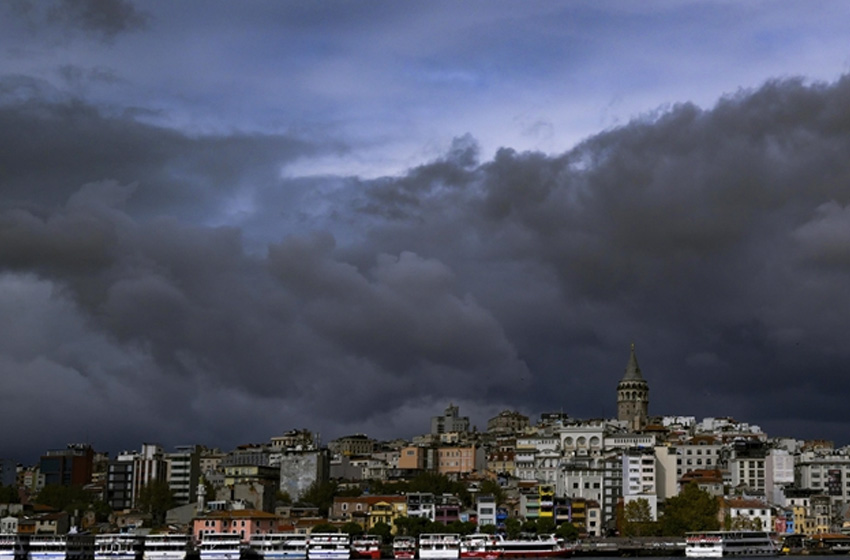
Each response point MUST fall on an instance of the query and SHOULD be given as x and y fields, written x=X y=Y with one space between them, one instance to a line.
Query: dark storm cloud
x=60 y=145
x=104 y=19
x=717 y=240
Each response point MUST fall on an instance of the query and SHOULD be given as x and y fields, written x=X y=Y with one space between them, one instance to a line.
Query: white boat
x=404 y=548
x=720 y=544
x=13 y=546
x=480 y=545
x=539 y=546
x=279 y=546
x=73 y=546
x=167 y=546
x=220 y=546
x=118 y=546
x=329 y=546
x=439 y=545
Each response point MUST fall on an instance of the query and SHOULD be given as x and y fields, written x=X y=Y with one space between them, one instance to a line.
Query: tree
x=352 y=528
x=637 y=518
x=488 y=529
x=439 y=484
x=321 y=495
x=283 y=497
x=9 y=495
x=545 y=526
x=513 y=527
x=383 y=530
x=73 y=500
x=156 y=498
x=492 y=488
x=567 y=531
x=692 y=510
x=324 y=528
x=415 y=526
x=460 y=527
x=64 y=498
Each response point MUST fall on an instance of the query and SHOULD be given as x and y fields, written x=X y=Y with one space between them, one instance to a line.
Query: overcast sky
x=220 y=221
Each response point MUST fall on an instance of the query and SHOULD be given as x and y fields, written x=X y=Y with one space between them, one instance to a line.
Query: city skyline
x=223 y=221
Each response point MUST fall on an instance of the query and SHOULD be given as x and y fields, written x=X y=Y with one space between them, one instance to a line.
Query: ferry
x=73 y=546
x=404 y=548
x=279 y=546
x=541 y=546
x=329 y=546
x=366 y=546
x=167 y=546
x=13 y=546
x=118 y=546
x=480 y=545
x=220 y=546
x=439 y=545
x=720 y=544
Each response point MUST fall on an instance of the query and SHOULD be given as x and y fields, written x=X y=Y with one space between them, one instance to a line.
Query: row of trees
x=155 y=499
x=692 y=510
x=322 y=494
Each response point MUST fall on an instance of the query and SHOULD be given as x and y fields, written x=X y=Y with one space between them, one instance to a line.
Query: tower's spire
x=633 y=369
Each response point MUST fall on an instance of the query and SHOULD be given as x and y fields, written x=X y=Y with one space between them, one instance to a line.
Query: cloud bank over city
x=218 y=224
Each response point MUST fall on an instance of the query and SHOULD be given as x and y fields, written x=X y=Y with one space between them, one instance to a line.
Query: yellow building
x=547 y=501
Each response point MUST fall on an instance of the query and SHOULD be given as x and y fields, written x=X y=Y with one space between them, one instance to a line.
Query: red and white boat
x=480 y=545
x=404 y=548
x=366 y=546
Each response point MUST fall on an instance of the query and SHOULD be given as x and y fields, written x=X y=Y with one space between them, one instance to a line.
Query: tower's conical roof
x=633 y=369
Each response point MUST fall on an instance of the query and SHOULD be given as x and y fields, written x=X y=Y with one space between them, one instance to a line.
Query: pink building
x=244 y=523
x=456 y=460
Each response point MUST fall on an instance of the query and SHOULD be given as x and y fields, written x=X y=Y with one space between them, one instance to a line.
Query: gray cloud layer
x=161 y=286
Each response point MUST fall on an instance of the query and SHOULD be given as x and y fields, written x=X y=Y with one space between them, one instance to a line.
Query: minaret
x=633 y=396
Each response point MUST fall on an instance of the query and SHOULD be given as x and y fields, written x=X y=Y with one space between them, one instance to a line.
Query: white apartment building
x=826 y=472
x=778 y=473
x=537 y=458
x=184 y=473
x=698 y=453
x=746 y=466
x=583 y=440
x=752 y=511
x=639 y=478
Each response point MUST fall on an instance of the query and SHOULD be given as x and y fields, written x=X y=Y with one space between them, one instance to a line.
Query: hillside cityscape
x=599 y=477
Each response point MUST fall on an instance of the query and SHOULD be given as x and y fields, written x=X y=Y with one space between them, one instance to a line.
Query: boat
x=404 y=548
x=73 y=546
x=720 y=544
x=480 y=545
x=366 y=546
x=539 y=546
x=166 y=546
x=220 y=546
x=329 y=546
x=279 y=546
x=13 y=546
x=118 y=546
x=439 y=545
